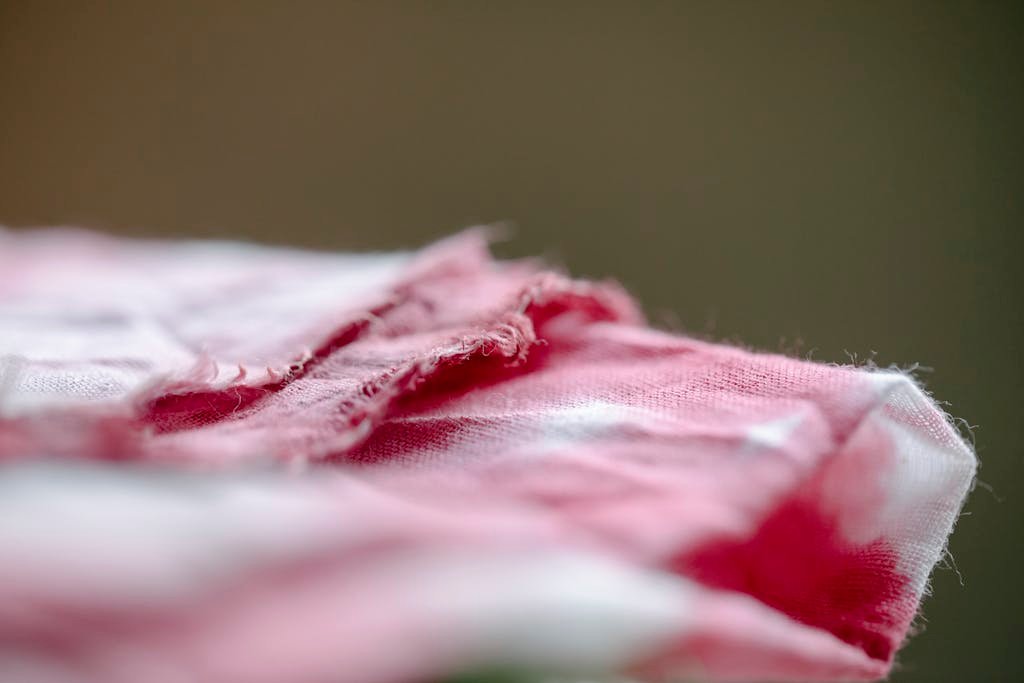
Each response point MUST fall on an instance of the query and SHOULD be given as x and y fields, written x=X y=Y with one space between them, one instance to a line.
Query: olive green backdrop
x=826 y=177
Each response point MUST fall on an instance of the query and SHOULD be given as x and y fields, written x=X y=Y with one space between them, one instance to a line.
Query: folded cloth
x=225 y=462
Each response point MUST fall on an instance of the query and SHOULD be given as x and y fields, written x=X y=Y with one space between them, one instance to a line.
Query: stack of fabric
x=226 y=462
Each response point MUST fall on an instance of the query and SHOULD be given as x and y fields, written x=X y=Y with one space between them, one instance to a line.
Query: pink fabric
x=235 y=463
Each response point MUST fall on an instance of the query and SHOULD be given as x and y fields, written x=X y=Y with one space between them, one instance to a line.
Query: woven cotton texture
x=224 y=462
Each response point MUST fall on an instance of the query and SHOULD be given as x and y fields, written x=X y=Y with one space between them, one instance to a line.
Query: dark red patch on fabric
x=799 y=563
x=175 y=412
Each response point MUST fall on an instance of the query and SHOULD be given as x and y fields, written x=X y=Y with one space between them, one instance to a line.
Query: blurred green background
x=819 y=177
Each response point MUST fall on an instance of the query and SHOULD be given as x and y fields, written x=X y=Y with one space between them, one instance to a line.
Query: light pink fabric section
x=239 y=463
